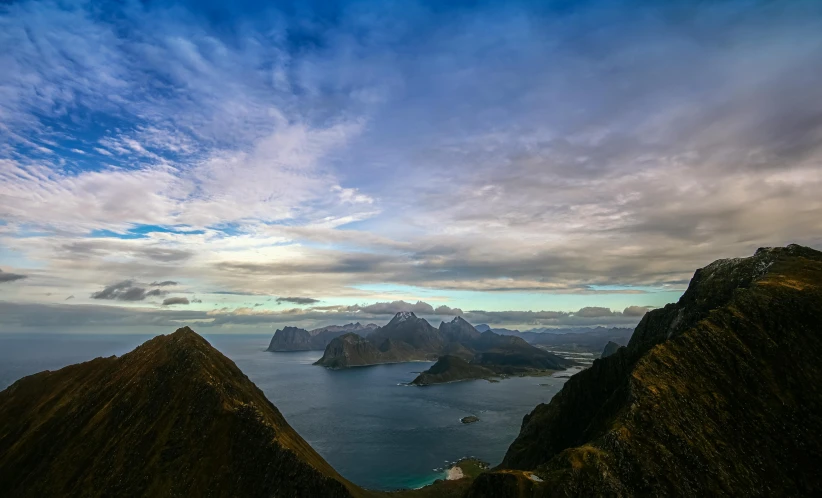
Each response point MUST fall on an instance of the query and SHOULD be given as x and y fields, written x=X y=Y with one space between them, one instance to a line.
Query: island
x=460 y=350
x=469 y=419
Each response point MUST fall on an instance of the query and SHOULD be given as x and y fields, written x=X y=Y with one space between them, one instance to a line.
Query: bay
x=375 y=430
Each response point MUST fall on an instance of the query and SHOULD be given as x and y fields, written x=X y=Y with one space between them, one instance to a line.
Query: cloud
x=70 y=297
x=636 y=310
x=10 y=277
x=445 y=310
x=126 y=291
x=652 y=144
x=394 y=307
x=297 y=300
x=175 y=300
x=164 y=283
x=594 y=312
x=63 y=316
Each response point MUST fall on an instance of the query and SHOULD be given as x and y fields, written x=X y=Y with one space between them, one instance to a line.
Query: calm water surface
x=374 y=430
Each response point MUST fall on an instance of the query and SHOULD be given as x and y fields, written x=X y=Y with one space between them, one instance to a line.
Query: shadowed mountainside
x=174 y=417
x=719 y=394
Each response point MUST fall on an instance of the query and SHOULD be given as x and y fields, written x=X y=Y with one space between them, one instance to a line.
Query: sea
x=376 y=430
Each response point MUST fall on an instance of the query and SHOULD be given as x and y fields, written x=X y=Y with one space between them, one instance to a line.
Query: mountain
x=296 y=339
x=590 y=340
x=458 y=330
x=407 y=328
x=174 y=417
x=491 y=355
x=410 y=338
x=350 y=350
x=452 y=369
x=291 y=339
x=716 y=395
x=405 y=338
x=610 y=349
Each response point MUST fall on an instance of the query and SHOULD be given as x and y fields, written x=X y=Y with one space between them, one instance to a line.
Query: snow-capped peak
x=404 y=315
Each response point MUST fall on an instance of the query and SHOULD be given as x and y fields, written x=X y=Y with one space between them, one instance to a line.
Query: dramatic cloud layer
x=582 y=157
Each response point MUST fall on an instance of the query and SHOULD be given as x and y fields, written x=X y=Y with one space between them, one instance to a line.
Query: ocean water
x=376 y=431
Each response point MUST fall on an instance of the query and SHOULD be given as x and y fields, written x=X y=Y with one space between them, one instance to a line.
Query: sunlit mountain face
x=242 y=166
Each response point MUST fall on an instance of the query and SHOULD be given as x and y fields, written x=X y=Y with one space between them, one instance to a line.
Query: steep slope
x=174 y=417
x=350 y=350
x=291 y=339
x=406 y=327
x=719 y=394
x=459 y=330
x=404 y=338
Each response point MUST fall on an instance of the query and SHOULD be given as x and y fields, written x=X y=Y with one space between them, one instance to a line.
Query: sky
x=241 y=166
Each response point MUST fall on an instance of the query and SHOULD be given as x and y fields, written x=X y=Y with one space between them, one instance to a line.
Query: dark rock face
x=716 y=395
x=350 y=350
x=174 y=417
x=295 y=339
x=290 y=339
x=610 y=349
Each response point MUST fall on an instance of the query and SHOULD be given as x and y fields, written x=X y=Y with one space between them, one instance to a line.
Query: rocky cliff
x=716 y=395
x=296 y=339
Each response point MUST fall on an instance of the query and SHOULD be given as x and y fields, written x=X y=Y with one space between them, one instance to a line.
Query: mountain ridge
x=687 y=408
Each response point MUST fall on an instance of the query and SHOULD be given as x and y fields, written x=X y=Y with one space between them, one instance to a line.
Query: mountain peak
x=168 y=418
x=403 y=316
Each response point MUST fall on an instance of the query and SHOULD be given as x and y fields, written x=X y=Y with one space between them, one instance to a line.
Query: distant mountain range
x=578 y=338
x=296 y=339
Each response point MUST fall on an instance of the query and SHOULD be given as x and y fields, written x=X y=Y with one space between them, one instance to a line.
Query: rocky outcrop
x=296 y=339
x=716 y=395
x=174 y=417
x=291 y=339
x=610 y=349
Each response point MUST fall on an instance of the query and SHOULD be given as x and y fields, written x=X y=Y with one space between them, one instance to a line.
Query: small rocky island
x=470 y=419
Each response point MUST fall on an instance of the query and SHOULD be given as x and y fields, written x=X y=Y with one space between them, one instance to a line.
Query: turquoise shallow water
x=375 y=431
